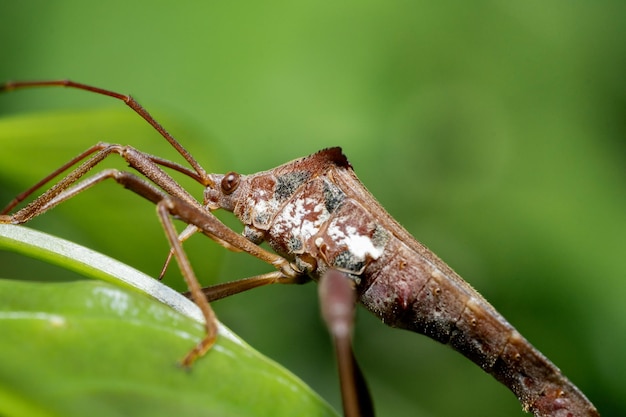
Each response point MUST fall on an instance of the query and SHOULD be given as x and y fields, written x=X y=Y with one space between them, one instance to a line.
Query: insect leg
x=164 y=203
x=186 y=234
x=22 y=196
x=226 y=289
x=211 y=226
x=64 y=189
x=164 y=208
x=168 y=206
x=338 y=302
x=182 y=236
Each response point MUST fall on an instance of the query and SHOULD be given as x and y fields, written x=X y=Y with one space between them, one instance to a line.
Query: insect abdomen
x=407 y=291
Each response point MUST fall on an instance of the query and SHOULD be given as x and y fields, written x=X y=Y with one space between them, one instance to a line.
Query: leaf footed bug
x=325 y=226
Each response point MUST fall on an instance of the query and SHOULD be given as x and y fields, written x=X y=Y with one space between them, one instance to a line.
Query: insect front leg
x=67 y=187
x=70 y=186
x=22 y=196
x=43 y=202
x=182 y=237
x=167 y=207
x=164 y=208
x=212 y=227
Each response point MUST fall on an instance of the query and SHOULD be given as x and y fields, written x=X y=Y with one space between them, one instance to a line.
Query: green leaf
x=105 y=349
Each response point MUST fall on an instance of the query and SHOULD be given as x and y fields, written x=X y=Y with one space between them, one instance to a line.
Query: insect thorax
x=310 y=221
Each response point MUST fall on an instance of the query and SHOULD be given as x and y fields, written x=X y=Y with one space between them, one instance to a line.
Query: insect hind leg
x=338 y=303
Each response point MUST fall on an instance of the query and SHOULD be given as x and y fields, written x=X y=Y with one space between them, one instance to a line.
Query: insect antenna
x=198 y=173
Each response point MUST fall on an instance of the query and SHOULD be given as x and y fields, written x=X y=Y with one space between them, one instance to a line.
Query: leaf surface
x=100 y=349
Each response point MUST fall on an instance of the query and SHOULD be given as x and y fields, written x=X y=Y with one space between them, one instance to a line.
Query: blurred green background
x=493 y=131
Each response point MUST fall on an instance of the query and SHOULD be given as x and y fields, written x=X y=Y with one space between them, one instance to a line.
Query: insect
x=324 y=226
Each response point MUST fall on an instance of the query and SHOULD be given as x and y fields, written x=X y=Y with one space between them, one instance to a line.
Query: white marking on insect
x=264 y=205
x=295 y=217
x=360 y=246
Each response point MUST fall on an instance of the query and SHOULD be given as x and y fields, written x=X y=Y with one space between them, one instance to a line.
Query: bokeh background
x=493 y=131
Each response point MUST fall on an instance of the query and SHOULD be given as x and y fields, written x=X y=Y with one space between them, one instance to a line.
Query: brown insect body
x=325 y=226
x=316 y=213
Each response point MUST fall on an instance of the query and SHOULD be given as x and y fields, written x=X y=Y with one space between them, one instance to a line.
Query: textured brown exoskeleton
x=324 y=226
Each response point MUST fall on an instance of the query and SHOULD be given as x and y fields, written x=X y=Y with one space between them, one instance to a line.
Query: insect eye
x=230 y=182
